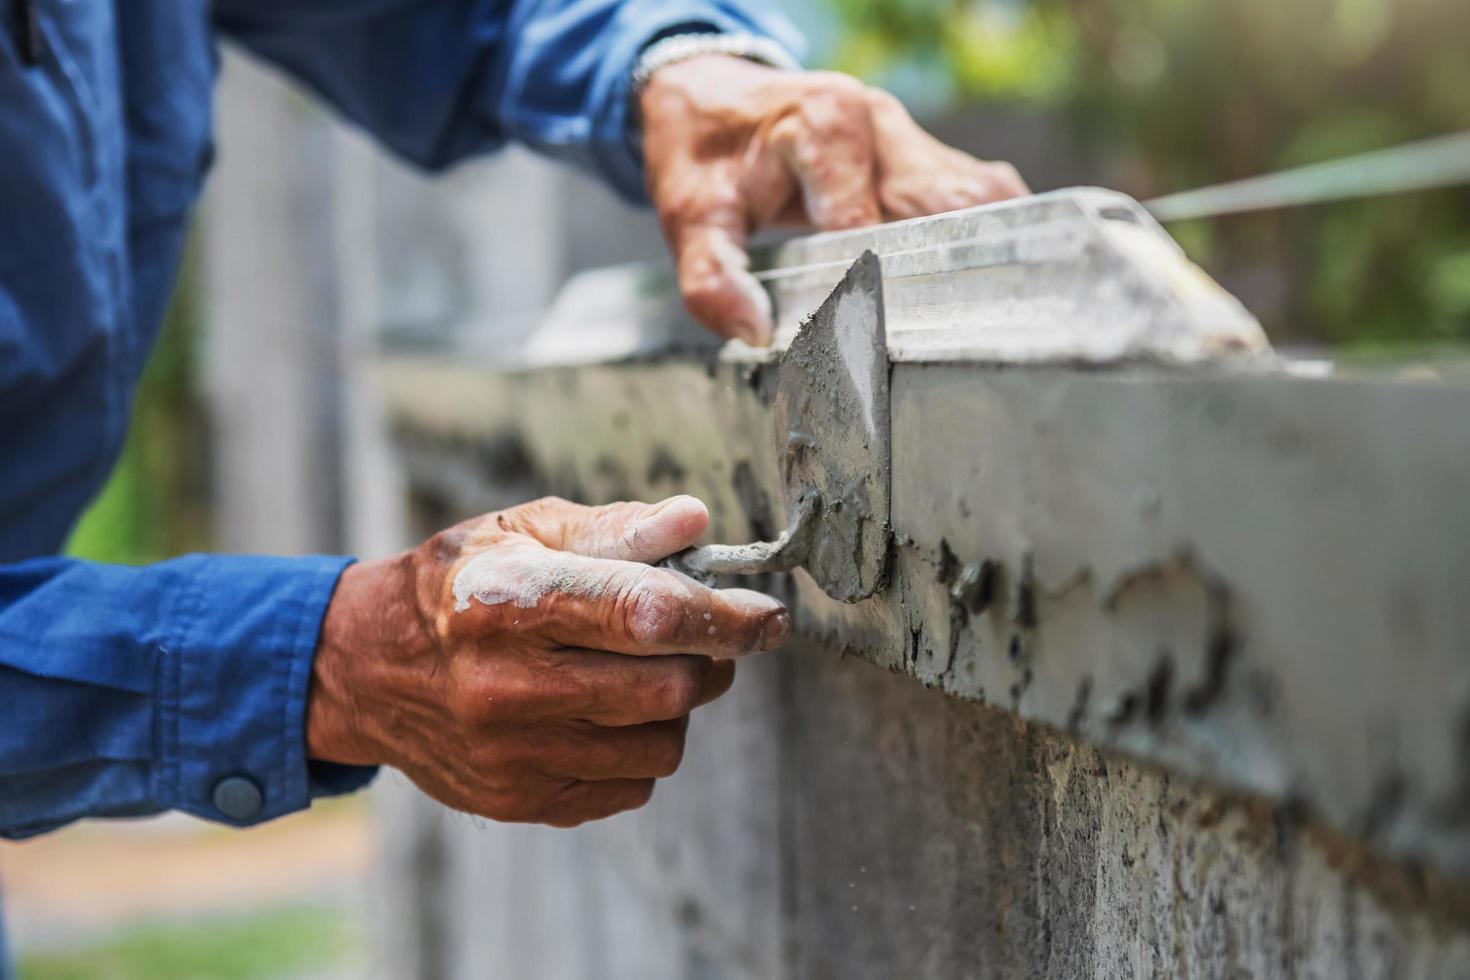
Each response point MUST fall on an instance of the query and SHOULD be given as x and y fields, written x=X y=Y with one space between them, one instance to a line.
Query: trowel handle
x=704 y=563
x=785 y=553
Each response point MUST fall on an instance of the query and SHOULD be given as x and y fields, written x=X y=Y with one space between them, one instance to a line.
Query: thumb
x=635 y=531
x=708 y=237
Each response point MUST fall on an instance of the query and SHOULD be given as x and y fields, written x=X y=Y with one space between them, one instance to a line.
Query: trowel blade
x=832 y=432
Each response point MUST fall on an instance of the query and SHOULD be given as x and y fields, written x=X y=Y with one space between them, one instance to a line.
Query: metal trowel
x=832 y=440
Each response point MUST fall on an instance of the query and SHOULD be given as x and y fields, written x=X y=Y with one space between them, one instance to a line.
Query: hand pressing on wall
x=731 y=146
x=531 y=665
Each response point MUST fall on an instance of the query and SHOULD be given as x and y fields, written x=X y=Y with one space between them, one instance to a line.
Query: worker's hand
x=731 y=145
x=528 y=665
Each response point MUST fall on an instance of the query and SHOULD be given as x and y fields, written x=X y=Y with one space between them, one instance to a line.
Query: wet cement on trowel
x=832 y=415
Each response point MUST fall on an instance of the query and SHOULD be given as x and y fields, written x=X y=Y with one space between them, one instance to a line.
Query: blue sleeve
x=438 y=80
x=182 y=685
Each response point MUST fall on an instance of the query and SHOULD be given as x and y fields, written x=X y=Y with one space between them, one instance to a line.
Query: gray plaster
x=791 y=548
x=832 y=425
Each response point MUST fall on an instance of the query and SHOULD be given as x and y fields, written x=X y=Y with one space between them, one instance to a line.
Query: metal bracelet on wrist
x=681 y=47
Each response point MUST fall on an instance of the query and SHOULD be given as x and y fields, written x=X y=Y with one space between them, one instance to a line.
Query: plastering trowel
x=832 y=439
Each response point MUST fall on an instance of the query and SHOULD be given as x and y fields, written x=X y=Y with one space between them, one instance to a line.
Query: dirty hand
x=731 y=145
x=528 y=665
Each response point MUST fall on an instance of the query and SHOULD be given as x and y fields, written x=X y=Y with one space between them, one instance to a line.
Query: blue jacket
x=127 y=691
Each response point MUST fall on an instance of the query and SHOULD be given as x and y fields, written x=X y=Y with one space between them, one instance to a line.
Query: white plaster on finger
x=522 y=575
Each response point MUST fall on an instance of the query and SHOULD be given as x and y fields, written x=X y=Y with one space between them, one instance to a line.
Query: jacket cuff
x=234 y=673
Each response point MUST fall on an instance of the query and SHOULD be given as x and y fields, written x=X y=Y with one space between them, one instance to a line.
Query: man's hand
x=731 y=146
x=528 y=665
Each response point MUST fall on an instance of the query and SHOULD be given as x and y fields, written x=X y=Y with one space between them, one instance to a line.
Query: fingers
x=919 y=175
x=827 y=141
x=965 y=182
x=580 y=802
x=718 y=678
x=627 y=531
x=591 y=686
x=636 y=531
x=1001 y=180
x=653 y=611
x=566 y=599
x=591 y=753
x=613 y=690
x=707 y=231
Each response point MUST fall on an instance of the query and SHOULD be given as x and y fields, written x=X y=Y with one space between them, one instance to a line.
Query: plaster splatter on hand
x=524 y=575
x=581 y=577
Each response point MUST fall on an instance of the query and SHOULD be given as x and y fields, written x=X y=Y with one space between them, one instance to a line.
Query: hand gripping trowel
x=832 y=440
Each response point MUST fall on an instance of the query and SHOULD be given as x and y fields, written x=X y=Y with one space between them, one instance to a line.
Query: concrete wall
x=835 y=820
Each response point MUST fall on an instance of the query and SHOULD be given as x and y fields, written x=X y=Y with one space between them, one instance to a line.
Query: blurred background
x=254 y=428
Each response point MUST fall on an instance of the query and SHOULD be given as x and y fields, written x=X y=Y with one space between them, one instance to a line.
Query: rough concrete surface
x=933 y=838
x=833 y=820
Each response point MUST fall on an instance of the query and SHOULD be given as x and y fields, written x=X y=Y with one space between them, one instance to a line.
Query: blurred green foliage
x=1175 y=94
x=260 y=946
x=155 y=504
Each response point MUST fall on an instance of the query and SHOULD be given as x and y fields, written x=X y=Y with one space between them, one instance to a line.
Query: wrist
x=352 y=671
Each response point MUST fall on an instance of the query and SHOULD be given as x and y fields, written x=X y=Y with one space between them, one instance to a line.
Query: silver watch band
x=681 y=47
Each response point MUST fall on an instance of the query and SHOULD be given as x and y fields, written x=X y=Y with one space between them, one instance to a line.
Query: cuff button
x=237 y=797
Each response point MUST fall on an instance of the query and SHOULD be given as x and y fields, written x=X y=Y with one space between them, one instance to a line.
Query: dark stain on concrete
x=1078 y=711
x=1219 y=653
x=975 y=587
x=949 y=565
x=664 y=468
x=612 y=478
x=504 y=458
x=1156 y=703
x=754 y=501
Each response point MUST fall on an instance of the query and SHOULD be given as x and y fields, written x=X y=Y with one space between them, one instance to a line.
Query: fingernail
x=775 y=618
x=776 y=630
